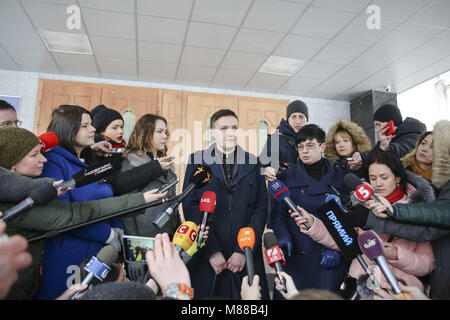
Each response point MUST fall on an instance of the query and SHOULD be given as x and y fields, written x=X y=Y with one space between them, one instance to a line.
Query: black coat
x=245 y=207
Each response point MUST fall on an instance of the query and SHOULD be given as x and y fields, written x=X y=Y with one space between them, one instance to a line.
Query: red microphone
x=207 y=206
x=49 y=140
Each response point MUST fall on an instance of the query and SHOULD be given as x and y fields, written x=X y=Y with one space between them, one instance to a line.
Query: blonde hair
x=410 y=158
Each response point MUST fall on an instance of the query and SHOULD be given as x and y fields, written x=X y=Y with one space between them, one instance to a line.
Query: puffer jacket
x=414 y=259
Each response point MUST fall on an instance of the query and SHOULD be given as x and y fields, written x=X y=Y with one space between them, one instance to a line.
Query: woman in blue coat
x=310 y=181
x=63 y=254
x=241 y=201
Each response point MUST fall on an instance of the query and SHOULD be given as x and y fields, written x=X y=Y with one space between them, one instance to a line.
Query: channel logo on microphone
x=370 y=243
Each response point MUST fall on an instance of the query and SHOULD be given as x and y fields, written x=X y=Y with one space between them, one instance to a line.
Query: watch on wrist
x=174 y=289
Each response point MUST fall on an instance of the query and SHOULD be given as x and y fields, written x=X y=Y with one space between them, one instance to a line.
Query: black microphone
x=274 y=256
x=99 y=266
x=199 y=178
x=40 y=196
x=92 y=173
x=362 y=191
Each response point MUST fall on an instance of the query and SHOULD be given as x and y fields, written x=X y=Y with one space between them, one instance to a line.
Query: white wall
x=25 y=84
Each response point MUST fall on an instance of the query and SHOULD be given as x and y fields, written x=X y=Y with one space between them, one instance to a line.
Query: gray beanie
x=297 y=106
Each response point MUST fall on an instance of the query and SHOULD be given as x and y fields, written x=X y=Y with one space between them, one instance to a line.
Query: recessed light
x=281 y=66
x=66 y=42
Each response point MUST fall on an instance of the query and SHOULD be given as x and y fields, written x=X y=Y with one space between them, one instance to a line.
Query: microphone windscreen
x=278 y=190
x=208 y=202
x=371 y=245
x=200 y=177
x=246 y=238
x=96 y=172
x=49 y=140
x=44 y=194
x=270 y=240
x=185 y=235
x=108 y=255
x=352 y=181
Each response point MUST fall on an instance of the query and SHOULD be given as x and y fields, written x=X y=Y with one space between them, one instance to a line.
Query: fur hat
x=441 y=154
x=297 y=106
x=15 y=144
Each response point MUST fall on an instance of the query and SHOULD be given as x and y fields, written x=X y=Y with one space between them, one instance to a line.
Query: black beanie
x=387 y=113
x=103 y=116
x=297 y=106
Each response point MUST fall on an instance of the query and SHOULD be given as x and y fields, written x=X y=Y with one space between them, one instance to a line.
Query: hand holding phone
x=391 y=129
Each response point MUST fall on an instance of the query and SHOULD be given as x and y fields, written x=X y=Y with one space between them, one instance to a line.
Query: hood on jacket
x=441 y=154
x=424 y=191
x=285 y=129
x=359 y=137
x=410 y=125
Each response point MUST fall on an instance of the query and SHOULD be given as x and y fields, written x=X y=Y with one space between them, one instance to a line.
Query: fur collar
x=423 y=190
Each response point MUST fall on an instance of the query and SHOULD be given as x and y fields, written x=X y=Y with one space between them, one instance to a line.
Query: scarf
x=396 y=195
x=426 y=174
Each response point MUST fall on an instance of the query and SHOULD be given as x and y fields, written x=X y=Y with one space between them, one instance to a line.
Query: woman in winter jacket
x=344 y=139
x=407 y=259
x=148 y=141
x=20 y=154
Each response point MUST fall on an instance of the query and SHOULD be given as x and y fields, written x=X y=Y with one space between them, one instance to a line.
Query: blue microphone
x=280 y=193
x=337 y=200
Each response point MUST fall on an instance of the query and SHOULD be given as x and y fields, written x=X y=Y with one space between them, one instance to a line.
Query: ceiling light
x=66 y=42
x=281 y=66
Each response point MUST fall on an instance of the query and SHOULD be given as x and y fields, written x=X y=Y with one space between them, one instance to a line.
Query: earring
x=398 y=184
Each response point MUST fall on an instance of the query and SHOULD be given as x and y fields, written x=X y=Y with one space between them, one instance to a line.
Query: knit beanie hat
x=387 y=113
x=15 y=144
x=297 y=106
x=103 y=116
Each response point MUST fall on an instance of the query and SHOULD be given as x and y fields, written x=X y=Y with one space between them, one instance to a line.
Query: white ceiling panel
x=6 y=62
x=194 y=75
x=400 y=9
x=21 y=38
x=112 y=47
x=352 y=74
x=99 y=23
x=299 y=86
x=159 y=52
x=76 y=63
x=234 y=79
x=202 y=56
x=230 y=12
x=50 y=17
x=161 y=29
x=358 y=32
x=412 y=63
x=157 y=71
x=34 y=60
x=256 y=41
x=345 y=5
x=377 y=58
x=333 y=22
x=436 y=14
x=165 y=8
x=340 y=52
x=299 y=47
x=266 y=82
x=12 y=15
x=439 y=45
x=243 y=61
x=117 y=66
x=330 y=90
x=110 y=5
x=210 y=35
x=319 y=70
x=273 y=15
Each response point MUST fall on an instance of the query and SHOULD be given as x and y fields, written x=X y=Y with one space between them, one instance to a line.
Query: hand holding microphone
x=303 y=219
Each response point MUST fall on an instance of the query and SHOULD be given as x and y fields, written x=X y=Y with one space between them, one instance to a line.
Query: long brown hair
x=141 y=139
x=409 y=159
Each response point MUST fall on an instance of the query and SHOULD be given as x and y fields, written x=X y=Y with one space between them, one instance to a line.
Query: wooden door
x=55 y=93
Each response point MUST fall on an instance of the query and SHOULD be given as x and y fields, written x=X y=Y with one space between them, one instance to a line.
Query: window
x=129 y=120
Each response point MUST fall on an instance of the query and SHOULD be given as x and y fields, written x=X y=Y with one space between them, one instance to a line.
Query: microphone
x=337 y=200
x=207 y=206
x=49 y=140
x=92 y=173
x=246 y=241
x=274 y=255
x=41 y=196
x=362 y=191
x=280 y=192
x=372 y=246
x=198 y=179
x=185 y=236
x=99 y=266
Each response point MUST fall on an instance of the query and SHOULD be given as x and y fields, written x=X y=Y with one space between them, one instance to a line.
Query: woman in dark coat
x=310 y=181
x=218 y=268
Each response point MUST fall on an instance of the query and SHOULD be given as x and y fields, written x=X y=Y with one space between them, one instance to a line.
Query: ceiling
x=223 y=43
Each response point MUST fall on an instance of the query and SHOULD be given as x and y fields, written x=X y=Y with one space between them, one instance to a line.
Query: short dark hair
x=65 y=123
x=5 y=105
x=309 y=132
x=219 y=114
x=119 y=291
x=391 y=161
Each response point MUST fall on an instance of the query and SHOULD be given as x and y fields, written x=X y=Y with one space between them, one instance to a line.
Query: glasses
x=16 y=123
x=308 y=146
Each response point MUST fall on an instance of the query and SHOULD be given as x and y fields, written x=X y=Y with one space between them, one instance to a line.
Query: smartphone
x=117 y=150
x=171 y=158
x=391 y=129
x=167 y=186
x=350 y=159
x=135 y=248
